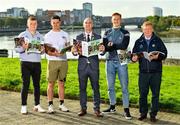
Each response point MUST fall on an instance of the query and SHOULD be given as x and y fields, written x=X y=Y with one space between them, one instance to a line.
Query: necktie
x=88 y=38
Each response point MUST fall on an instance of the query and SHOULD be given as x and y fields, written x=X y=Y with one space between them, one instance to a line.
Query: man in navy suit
x=88 y=67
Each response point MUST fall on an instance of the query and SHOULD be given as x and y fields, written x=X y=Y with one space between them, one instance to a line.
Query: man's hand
x=25 y=45
x=110 y=43
x=55 y=53
x=74 y=50
x=154 y=56
x=42 y=49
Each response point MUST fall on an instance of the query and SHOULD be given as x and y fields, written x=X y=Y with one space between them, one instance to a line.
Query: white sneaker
x=63 y=108
x=38 y=108
x=24 y=109
x=50 y=109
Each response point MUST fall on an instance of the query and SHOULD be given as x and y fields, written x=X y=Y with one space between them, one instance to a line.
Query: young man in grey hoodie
x=30 y=65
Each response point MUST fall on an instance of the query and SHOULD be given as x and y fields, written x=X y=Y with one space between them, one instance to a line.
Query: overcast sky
x=128 y=8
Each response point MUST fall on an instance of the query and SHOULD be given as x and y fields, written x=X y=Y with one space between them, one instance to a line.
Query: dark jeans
x=152 y=81
x=29 y=69
x=93 y=75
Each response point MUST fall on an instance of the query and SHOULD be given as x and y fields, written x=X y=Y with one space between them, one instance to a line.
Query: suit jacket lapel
x=84 y=36
x=93 y=36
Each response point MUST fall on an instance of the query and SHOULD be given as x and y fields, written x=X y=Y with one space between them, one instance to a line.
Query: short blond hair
x=147 y=23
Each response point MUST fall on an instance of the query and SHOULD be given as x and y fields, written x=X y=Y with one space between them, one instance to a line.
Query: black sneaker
x=127 y=114
x=110 y=109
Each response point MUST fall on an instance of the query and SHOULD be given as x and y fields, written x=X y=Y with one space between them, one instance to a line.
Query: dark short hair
x=116 y=14
x=56 y=17
x=31 y=17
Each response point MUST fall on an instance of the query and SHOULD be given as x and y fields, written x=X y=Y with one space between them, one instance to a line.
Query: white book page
x=84 y=48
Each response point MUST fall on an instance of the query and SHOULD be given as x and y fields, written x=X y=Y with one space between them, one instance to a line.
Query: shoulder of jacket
x=22 y=34
x=108 y=31
x=156 y=38
x=96 y=35
x=80 y=36
x=124 y=31
x=39 y=34
x=140 y=39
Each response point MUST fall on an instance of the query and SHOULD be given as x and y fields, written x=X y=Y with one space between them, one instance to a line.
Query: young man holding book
x=150 y=69
x=30 y=64
x=116 y=39
x=57 y=62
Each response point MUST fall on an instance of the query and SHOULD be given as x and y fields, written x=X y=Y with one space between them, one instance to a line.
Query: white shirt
x=58 y=41
x=147 y=38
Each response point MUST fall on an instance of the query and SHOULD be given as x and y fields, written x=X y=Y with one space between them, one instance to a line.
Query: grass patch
x=10 y=79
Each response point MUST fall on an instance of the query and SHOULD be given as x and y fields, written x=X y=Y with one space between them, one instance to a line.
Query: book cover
x=48 y=47
x=77 y=46
x=124 y=56
x=19 y=41
x=34 y=47
x=88 y=49
x=66 y=48
x=147 y=55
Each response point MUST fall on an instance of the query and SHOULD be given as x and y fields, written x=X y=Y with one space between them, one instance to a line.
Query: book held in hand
x=34 y=47
x=124 y=56
x=19 y=41
x=48 y=47
x=87 y=49
x=77 y=46
x=65 y=49
x=147 y=55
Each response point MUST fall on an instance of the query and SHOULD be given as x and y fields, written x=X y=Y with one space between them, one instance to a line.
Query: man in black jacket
x=88 y=67
x=150 y=69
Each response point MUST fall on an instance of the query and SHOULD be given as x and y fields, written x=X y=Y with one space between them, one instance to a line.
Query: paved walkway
x=10 y=114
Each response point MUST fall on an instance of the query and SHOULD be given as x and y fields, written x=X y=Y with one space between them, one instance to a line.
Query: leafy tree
x=164 y=23
x=1 y=23
x=22 y=22
x=11 y=22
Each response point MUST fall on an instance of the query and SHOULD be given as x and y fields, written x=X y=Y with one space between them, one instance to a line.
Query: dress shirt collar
x=90 y=35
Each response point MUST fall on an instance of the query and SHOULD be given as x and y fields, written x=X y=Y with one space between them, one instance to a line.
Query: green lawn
x=10 y=79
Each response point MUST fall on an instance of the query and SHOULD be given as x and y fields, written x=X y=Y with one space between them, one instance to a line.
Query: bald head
x=88 y=25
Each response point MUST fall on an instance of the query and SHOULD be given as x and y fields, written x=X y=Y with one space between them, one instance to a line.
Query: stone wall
x=171 y=61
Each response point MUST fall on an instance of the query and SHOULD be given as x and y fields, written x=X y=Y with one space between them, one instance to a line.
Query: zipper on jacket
x=148 y=52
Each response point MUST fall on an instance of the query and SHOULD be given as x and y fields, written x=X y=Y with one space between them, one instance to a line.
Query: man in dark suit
x=88 y=67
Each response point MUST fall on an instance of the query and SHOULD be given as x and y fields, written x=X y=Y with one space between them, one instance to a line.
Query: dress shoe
x=153 y=119
x=98 y=113
x=82 y=113
x=142 y=117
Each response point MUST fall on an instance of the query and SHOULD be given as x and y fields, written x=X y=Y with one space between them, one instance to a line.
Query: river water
x=172 y=44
